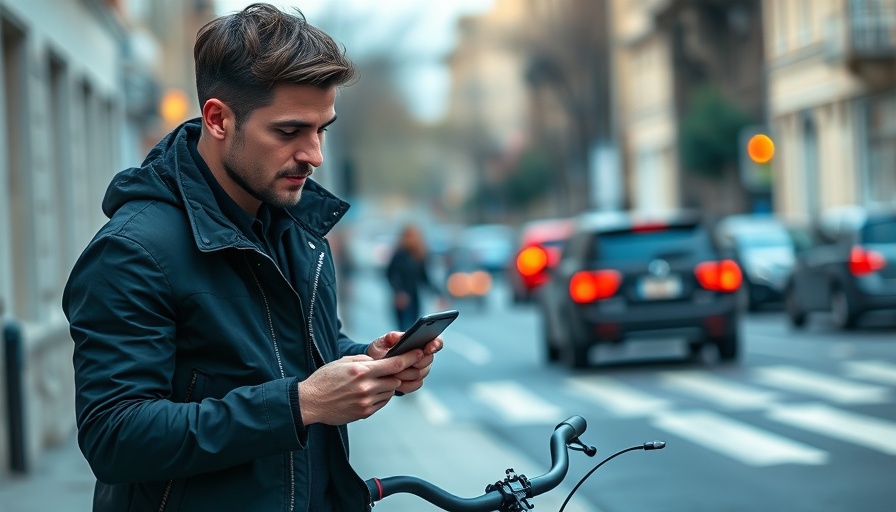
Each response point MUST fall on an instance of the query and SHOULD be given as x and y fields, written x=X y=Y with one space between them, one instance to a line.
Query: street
x=804 y=421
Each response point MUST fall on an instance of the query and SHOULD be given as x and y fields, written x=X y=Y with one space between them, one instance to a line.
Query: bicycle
x=512 y=494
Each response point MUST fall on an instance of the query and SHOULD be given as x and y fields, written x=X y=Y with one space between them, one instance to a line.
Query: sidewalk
x=61 y=481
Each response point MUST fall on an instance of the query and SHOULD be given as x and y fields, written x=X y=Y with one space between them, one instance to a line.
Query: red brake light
x=719 y=276
x=862 y=261
x=649 y=227
x=532 y=260
x=590 y=286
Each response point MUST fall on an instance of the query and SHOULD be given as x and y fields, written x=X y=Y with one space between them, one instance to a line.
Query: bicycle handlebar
x=565 y=433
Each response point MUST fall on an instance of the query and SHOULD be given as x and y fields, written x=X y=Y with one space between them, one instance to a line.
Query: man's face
x=278 y=146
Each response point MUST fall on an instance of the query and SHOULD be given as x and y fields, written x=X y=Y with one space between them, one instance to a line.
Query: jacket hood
x=169 y=175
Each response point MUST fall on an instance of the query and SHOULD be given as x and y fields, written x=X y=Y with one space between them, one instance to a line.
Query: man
x=211 y=371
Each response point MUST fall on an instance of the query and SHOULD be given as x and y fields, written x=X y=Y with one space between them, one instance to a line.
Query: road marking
x=877 y=371
x=820 y=385
x=742 y=442
x=617 y=397
x=468 y=348
x=778 y=346
x=515 y=403
x=867 y=431
x=726 y=393
x=431 y=407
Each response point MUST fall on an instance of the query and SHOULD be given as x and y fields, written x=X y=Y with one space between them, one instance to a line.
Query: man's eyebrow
x=295 y=123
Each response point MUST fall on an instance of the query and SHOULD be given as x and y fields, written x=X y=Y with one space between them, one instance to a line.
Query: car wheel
x=695 y=350
x=792 y=305
x=575 y=356
x=842 y=310
x=728 y=346
x=575 y=351
x=551 y=352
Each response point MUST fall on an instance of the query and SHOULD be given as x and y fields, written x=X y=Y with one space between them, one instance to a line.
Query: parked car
x=622 y=276
x=763 y=247
x=848 y=267
x=538 y=250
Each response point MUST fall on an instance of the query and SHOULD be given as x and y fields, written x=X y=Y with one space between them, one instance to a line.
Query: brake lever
x=579 y=446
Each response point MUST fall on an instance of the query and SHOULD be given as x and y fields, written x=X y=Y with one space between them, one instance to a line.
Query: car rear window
x=880 y=232
x=669 y=244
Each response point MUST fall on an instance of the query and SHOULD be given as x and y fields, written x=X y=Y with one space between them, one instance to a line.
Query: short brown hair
x=240 y=57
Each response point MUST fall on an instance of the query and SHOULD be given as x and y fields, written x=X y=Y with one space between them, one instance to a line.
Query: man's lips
x=297 y=179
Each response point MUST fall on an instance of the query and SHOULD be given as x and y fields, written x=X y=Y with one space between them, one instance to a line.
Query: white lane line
x=725 y=393
x=467 y=347
x=617 y=397
x=515 y=403
x=876 y=371
x=431 y=407
x=739 y=441
x=867 y=431
x=830 y=388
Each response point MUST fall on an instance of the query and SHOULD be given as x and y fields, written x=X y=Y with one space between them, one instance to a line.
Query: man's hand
x=354 y=387
x=412 y=377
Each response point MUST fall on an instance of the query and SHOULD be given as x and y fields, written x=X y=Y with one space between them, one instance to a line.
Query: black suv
x=846 y=265
x=622 y=275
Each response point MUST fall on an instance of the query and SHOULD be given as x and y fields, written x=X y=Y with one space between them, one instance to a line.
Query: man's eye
x=285 y=133
x=322 y=130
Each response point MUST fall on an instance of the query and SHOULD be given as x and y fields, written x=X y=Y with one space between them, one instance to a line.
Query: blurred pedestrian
x=408 y=276
x=211 y=368
x=345 y=273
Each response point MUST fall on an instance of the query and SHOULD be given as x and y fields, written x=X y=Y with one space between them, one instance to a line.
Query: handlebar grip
x=577 y=423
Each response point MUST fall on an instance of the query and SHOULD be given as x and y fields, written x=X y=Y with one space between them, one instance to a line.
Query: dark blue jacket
x=189 y=342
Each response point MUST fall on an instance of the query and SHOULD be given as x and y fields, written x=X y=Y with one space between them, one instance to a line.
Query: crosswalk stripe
x=728 y=394
x=828 y=387
x=867 y=431
x=877 y=371
x=742 y=442
x=468 y=348
x=617 y=397
x=515 y=403
x=431 y=407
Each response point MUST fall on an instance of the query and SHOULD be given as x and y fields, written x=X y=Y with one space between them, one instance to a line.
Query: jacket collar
x=318 y=211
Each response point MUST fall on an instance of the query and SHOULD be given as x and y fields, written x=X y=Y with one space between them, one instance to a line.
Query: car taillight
x=532 y=260
x=862 y=261
x=649 y=227
x=719 y=276
x=590 y=286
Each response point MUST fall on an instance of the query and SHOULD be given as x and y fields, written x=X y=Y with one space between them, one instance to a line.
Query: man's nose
x=312 y=155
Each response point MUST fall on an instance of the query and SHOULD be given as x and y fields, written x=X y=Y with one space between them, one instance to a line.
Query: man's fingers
x=359 y=358
x=395 y=364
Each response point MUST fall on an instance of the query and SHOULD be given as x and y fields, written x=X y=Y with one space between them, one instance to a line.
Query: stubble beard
x=242 y=176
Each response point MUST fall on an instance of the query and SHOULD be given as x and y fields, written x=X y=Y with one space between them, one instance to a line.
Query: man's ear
x=217 y=118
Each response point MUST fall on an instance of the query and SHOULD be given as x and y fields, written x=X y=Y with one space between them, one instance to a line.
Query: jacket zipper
x=267 y=308
x=320 y=264
x=190 y=388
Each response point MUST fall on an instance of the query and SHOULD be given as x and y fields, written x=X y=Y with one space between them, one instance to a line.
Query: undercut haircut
x=241 y=57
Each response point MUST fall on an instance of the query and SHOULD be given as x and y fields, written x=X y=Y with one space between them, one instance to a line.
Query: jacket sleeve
x=123 y=323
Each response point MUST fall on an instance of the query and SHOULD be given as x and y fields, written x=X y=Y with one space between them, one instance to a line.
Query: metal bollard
x=14 y=361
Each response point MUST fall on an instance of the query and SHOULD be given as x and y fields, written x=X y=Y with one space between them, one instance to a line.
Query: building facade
x=80 y=89
x=670 y=58
x=831 y=74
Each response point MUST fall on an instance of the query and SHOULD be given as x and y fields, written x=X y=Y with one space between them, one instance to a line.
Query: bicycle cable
x=652 y=445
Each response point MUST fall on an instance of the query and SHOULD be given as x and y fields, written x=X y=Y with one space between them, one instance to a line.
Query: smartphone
x=424 y=330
